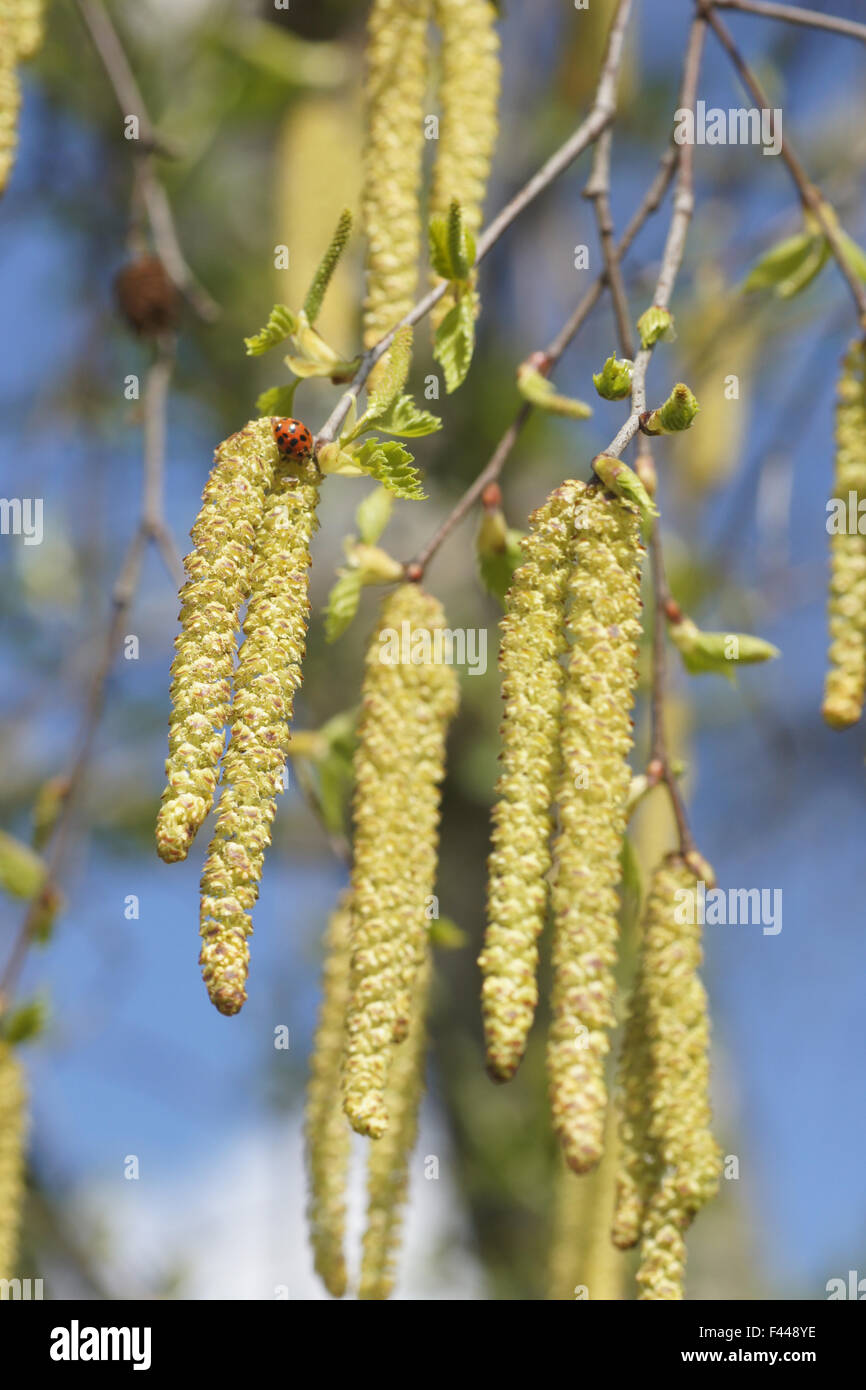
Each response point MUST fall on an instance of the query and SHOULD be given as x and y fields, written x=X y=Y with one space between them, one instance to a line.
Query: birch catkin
x=396 y=84
x=219 y=570
x=267 y=676
x=685 y=1159
x=603 y=624
x=533 y=640
x=409 y=696
x=388 y=1171
x=327 y=1130
x=846 y=676
x=12 y=1131
x=468 y=100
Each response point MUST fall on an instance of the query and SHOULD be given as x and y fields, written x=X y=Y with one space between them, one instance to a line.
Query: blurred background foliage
x=259 y=113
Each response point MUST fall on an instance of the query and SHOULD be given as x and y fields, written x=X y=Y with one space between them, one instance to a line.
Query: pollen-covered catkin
x=397 y=41
x=218 y=585
x=468 y=100
x=22 y=24
x=846 y=676
x=267 y=676
x=637 y=1167
x=676 y=1021
x=388 y=1169
x=533 y=641
x=12 y=1132
x=327 y=1130
x=408 y=699
x=603 y=625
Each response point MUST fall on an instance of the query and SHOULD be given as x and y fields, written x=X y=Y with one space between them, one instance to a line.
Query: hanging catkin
x=396 y=84
x=327 y=1130
x=533 y=641
x=583 y=1264
x=684 y=1160
x=409 y=696
x=12 y=1130
x=388 y=1169
x=846 y=676
x=219 y=571
x=267 y=676
x=468 y=101
x=603 y=626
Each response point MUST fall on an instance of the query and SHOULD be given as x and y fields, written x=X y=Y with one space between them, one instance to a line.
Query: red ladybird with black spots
x=294 y=440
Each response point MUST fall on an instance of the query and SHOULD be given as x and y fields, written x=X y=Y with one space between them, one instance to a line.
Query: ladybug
x=294 y=440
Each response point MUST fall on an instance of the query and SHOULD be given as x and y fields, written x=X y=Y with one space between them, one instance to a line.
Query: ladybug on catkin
x=293 y=439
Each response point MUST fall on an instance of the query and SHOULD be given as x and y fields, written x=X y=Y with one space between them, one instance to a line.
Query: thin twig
x=151 y=527
x=600 y=116
x=795 y=14
x=808 y=193
x=107 y=43
x=598 y=192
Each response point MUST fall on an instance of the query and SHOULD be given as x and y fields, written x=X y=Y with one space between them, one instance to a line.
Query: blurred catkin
x=267 y=676
x=388 y=1169
x=22 y=29
x=468 y=101
x=533 y=641
x=327 y=1130
x=408 y=700
x=219 y=570
x=603 y=626
x=397 y=44
x=582 y=1262
x=669 y=1007
x=12 y=1134
x=846 y=676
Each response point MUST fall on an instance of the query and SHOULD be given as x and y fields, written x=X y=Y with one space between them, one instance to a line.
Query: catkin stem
x=603 y=626
x=408 y=699
x=267 y=676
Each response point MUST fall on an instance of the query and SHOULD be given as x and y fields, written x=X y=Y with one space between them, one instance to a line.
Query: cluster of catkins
x=846 y=676
x=568 y=657
x=252 y=548
x=22 y=25
x=398 y=68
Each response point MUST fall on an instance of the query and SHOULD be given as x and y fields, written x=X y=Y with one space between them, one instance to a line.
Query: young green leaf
x=373 y=514
x=281 y=324
x=25 y=1022
x=343 y=603
x=327 y=266
x=780 y=262
x=536 y=388
x=279 y=400
x=407 y=419
x=389 y=463
x=394 y=373
x=719 y=653
x=625 y=483
x=461 y=244
x=455 y=341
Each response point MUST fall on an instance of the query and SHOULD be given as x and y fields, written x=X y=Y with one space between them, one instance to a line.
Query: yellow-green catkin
x=219 y=569
x=533 y=642
x=327 y=1130
x=583 y=1263
x=29 y=26
x=846 y=676
x=637 y=1166
x=12 y=1134
x=22 y=25
x=388 y=1168
x=397 y=42
x=603 y=625
x=267 y=676
x=468 y=102
x=687 y=1160
x=409 y=696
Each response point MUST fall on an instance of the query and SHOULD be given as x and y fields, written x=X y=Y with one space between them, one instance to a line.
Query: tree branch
x=795 y=14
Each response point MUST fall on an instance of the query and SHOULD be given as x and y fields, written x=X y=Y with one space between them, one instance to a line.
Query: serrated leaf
x=455 y=341
x=390 y=464
x=440 y=259
x=279 y=400
x=461 y=244
x=303 y=367
x=407 y=419
x=281 y=324
x=343 y=603
x=373 y=514
x=392 y=373
x=327 y=266
x=542 y=393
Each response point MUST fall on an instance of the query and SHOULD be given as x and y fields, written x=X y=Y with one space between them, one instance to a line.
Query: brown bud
x=147 y=297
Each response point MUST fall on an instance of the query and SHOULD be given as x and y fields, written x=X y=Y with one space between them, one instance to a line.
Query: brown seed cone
x=147 y=297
